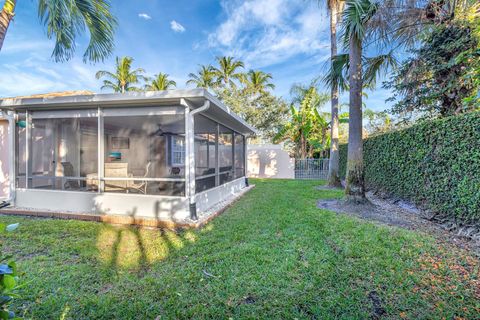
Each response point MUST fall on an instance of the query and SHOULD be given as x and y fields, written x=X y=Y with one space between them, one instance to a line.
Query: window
x=178 y=151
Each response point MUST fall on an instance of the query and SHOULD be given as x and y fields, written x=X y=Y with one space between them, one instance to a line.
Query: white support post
x=245 y=159
x=234 y=170
x=190 y=160
x=217 y=157
x=12 y=156
x=190 y=154
x=28 y=139
x=101 y=151
x=187 y=146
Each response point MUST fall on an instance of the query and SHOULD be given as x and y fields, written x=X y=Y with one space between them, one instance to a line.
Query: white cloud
x=36 y=74
x=267 y=32
x=25 y=45
x=177 y=27
x=144 y=16
x=17 y=82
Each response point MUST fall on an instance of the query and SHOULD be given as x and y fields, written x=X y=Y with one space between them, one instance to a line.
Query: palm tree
x=335 y=7
x=392 y=21
x=204 y=78
x=124 y=77
x=65 y=20
x=160 y=82
x=258 y=81
x=226 y=71
x=307 y=129
x=355 y=18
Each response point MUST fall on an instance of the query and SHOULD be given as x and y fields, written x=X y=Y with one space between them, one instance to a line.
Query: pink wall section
x=4 y=159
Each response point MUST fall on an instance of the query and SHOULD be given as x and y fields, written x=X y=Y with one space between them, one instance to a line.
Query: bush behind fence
x=435 y=164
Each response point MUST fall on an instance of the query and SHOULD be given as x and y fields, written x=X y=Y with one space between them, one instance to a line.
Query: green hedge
x=435 y=164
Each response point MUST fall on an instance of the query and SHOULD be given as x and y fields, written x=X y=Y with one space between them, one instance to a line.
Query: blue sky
x=289 y=39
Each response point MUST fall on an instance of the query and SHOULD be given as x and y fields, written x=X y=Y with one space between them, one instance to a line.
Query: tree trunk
x=303 y=147
x=334 y=162
x=355 y=189
x=6 y=15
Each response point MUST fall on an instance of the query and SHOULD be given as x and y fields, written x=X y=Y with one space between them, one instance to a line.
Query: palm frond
x=227 y=70
x=104 y=73
x=337 y=74
x=356 y=15
x=66 y=20
x=377 y=66
x=123 y=75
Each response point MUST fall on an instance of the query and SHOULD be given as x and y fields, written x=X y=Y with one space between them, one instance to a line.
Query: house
x=165 y=155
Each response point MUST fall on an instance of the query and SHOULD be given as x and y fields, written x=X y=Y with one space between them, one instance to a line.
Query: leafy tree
x=343 y=128
x=204 y=78
x=160 y=82
x=377 y=122
x=227 y=71
x=251 y=99
x=124 y=78
x=307 y=129
x=258 y=81
x=65 y=20
x=442 y=77
x=263 y=111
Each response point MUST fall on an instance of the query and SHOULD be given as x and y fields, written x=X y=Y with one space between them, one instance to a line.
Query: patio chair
x=68 y=171
x=141 y=186
x=175 y=171
x=116 y=170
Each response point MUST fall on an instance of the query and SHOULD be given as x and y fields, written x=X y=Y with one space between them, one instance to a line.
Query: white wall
x=142 y=206
x=4 y=159
x=209 y=198
x=269 y=161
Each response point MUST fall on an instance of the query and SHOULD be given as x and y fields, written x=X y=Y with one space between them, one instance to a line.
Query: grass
x=272 y=255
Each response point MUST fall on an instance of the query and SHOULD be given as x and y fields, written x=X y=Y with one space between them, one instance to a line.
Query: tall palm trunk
x=355 y=189
x=334 y=162
x=6 y=15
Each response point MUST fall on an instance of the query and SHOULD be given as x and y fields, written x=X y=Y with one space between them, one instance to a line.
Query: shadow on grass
x=137 y=248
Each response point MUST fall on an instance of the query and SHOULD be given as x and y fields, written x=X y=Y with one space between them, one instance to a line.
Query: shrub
x=8 y=278
x=435 y=164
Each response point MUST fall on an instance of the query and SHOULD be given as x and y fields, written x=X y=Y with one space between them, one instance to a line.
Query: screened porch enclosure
x=163 y=155
x=139 y=150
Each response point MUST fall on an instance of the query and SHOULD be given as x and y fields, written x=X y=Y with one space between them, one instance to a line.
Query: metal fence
x=311 y=168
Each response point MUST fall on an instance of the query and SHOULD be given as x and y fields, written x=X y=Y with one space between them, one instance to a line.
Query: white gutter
x=190 y=153
x=205 y=107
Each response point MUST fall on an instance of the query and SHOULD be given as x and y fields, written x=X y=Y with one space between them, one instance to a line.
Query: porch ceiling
x=195 y=97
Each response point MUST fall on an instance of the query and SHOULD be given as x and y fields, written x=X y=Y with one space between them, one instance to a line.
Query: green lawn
x=272 y=255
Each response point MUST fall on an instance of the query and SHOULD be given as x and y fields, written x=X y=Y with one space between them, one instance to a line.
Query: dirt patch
x=377 y=309
x=404 y=215
x=248 y=300
x=327 y=187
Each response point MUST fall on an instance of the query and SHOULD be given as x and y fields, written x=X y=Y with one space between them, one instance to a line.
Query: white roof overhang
x=195 y=97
